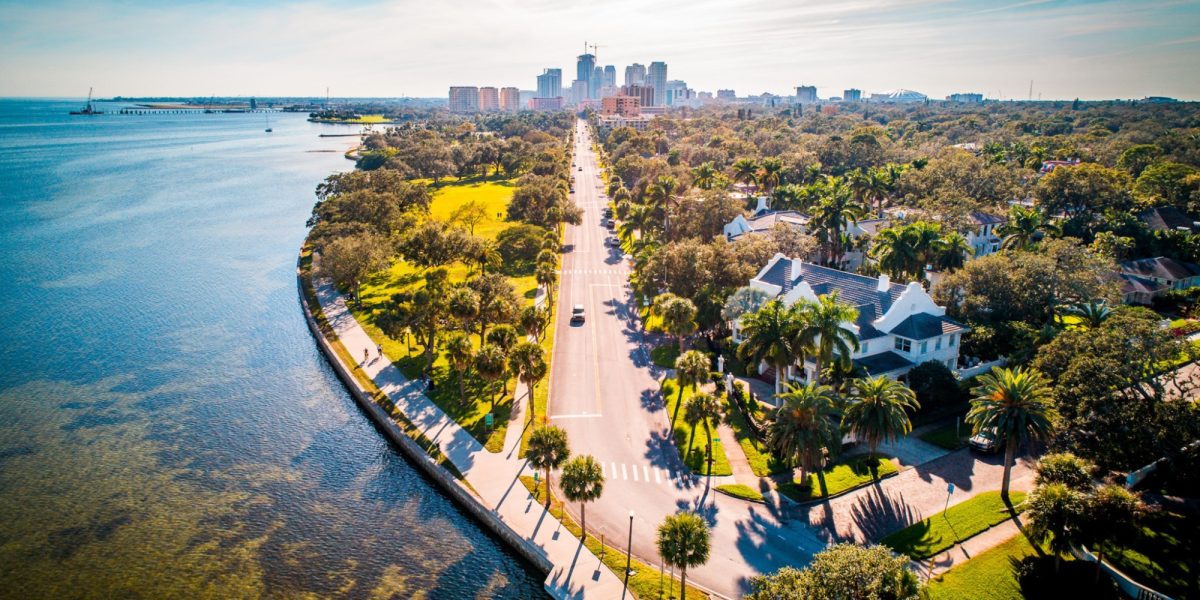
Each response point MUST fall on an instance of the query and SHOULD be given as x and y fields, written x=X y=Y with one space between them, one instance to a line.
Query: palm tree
x=953 y=252
x=1091 y=314
x=683 y=541
x=487 y=256
x=548 y=449
x=492 y=364
x=1056 y=516
x=823 y=334
x=877 y=411
x=836 y=209
x=1113 y=512
x=1015 y=404
x=770 y=174
x=705 y=176
x=678 y=316
x=528 y=361
x=895 y=250
x=927 y=241
x=546 y=276
x=1023 y=228
x=460 y=353
x=464 y=306
x=745 y=170
x=691 y=368
x=703 y=408
x=582 y=481
x=767 y=336
x=804 y=429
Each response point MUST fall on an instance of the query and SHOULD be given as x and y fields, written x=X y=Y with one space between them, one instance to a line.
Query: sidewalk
x=577 y=572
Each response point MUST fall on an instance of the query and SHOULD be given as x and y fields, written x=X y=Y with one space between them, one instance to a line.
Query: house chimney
x=762 y=206
x=787 y=276
x=884 y=285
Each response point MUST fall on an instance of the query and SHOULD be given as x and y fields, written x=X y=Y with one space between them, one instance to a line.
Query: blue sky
x=1087 y=49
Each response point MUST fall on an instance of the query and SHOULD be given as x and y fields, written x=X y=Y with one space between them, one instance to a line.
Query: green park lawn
x=987 y=576
x=940 y=532
x=950 y=436
x=378 y=289
x=689 y=441
x=664 y=356
x=840 y=477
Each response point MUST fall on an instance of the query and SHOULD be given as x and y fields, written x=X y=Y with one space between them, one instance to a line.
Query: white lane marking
x=646 y=473
x=614 y=475
x=579 y=416
x=635 y=473
x=624 y=474
x=657 y=479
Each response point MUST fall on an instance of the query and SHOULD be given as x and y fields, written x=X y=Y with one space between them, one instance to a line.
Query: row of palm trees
x=782 y=335
x=683 y=539
x=905 y=251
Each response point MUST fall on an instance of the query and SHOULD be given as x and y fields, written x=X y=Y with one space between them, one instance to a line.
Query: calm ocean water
x=167 y=427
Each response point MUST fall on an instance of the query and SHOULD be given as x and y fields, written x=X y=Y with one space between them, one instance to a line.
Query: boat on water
x=268 y=115
x=88 y=109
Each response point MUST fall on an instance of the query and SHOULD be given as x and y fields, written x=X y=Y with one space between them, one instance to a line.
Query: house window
x=953 y=340
x=864 y=347
x=937 y=344
x=924 y=347
x=903 y=345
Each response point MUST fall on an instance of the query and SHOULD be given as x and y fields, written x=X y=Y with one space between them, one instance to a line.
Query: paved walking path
x=578 y=573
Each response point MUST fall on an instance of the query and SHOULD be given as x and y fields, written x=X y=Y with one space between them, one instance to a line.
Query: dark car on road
x=577 y=314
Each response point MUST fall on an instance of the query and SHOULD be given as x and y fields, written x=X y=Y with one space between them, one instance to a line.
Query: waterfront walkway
x=577 y=572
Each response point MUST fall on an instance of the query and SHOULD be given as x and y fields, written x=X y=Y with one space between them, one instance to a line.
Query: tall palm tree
x=703 y=408
x=895 y=250
x=877 y=411
x=804 y=430
x=1024 y=227
x=770 y=174
x=678 y=317
x=835 y=210
x=547 y=450
x=705 y=176
x=528 y=361
x=582 y=481
x=767 y=336
x=546 y=276
x=953 y=251
x=492 y=365
x=1091 y=314
x=463 y=303
x=745 y=170
x=1056 y=516
x=691 y=368
x=927 y=241
x=684 y=541
x=1017 y=405
x=822 y=333
x=460 y=353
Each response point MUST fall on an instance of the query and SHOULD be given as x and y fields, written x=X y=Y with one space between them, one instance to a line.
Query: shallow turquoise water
x=167 y=426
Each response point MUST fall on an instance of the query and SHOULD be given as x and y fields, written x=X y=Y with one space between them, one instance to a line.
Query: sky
x=1067 y=48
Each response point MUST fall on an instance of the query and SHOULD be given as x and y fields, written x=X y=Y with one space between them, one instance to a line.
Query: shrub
x=935 y=386
x=520 y=244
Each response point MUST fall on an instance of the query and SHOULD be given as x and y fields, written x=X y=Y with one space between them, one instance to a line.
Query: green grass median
x=840 y=477
x=962 y=521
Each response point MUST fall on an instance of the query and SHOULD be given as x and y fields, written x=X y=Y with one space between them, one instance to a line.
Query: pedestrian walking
x=379 y=349
x=366 y=355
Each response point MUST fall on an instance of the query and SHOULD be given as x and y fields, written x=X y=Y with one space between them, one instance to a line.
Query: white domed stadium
x=899 y=95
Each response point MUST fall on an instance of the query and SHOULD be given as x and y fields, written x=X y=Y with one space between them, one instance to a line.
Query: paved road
x=604 y=393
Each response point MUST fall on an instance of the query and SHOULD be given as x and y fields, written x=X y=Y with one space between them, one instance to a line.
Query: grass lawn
x=1165 y=556
x=665 y=355
x=377 y=290
x=744 y=492
x=987 y=576
x=950 y=437
x=691 y=442
x=840 y=477
x=760 y=458
x=645 y=582
x=942 y=531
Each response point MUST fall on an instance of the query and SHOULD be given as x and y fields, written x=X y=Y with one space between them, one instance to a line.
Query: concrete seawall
x=417 y=455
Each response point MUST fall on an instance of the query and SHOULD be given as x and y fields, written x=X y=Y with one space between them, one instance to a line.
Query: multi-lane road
x=604 y=393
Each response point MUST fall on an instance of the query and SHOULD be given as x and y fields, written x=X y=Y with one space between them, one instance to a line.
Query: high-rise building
x=677 y=90
x=510 y=99
x=806 y=94
x=584 y=65
x=726 y=95
x=852 y=95
x=625 y=106
x=610 y=76
x=656 y=77
x=554 y=103
x=965 y=97
x=635 y=74
x=596 y=82
x=549 y=83
x=464 y=99
x=489 y=99
x=644 y=93
x=579 y=91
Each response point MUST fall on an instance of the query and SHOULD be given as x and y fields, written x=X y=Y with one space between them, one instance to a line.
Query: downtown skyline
x=1090 y=50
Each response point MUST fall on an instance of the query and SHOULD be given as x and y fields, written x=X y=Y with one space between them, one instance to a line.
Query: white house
x=983 y=238
x=1147 y=278
x=898 y=326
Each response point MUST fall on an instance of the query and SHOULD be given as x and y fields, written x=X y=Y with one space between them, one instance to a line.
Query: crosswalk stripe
x=646 y=473
x=624 y=475
x=656 y=478
x=614 y=475
x=635 y=473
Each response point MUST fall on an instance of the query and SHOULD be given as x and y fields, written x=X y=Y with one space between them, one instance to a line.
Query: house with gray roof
x=1144 y=279
x=898 y=326
x=983 y=238
x=1168 y=218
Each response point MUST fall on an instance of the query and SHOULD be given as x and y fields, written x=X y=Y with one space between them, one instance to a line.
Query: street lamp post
x=628 y=556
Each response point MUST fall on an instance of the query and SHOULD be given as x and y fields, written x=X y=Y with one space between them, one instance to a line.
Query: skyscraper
x=635 y=74
x=464 y=99
x=583 y=67
x=610 y=76
x=510 y=99
x=656 y=77
x=852 y=95
x=489 y=99
x=596 y=82
x=549 y=83
x=806 y=94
